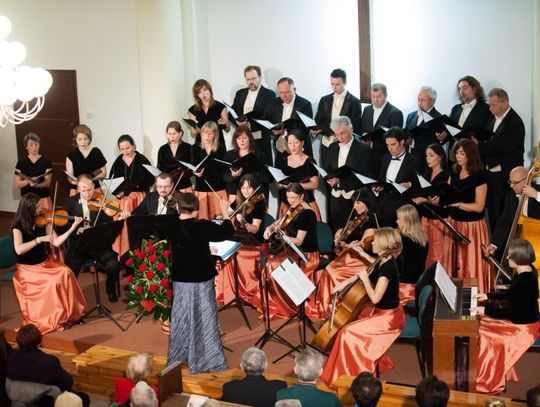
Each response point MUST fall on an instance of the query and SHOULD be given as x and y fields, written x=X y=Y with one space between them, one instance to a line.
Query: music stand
x=87 y=244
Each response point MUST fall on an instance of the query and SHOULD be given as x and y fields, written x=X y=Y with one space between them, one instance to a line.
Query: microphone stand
x=460 y=236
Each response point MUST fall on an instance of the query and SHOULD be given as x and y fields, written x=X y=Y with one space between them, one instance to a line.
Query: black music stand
x=87 y=244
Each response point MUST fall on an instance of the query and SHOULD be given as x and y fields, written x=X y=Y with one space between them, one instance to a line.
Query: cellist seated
x=362 y=343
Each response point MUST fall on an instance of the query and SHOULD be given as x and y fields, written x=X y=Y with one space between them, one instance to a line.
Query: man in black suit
x=397 y=166
x=473 y=111
x=380 y=113
x=157 y=202
x=355 y=155
x=255 y=99
x=77 y=205
x=503 y=151
x=531 y=208
x=426 y=105
x=285 y=107
x=339 y=103
x=254 y=389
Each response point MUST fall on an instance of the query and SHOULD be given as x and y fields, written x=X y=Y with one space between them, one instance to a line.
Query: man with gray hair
x=143 y=395
x=349 y=152
x=308 y=368
x=426 y=107
x=254 y=389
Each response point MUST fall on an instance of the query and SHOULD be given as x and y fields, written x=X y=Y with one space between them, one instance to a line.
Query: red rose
x=166 y=253
x=129 y=279
x=150 y=243
x=152 y=258
x=139 y=290
x=150 y=275
x=142 y=267
x=148 y=305
x=160 y=267
x=141 y=254
x=153 y=288
x=150 y=249
x=169 y=293
x=129 y=262
x=164 y=282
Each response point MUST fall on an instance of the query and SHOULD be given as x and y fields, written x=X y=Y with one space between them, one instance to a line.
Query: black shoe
x=113 y=297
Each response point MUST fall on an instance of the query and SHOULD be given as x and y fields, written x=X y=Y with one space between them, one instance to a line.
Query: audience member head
x=436 y=156
x=469 y=89
x=521 y=252
x=174 y=132
x=26 y=212
x=494 y=403
x=426 y=98
x=139 y=367
x=465 y=154
x=28 y=337
x=408 y=222
x=338 y=80
x=432 y=392
x=142 y=395
x=243 y=139
x=498 y=101
x=308 y=365
x=378 y=95
x=288 y=403
x=517 y=178
x=395 y=139
x=82 y=135
x=254 y=362
x=286 y=89
x=188 y=204
x=343 y=129
x=252 y=74
x=68 y=399
x=202 y=94
x=210 y=135
x=533 y=396
x=366 y=390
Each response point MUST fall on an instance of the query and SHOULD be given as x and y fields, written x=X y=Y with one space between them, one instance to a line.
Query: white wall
x=424 y=42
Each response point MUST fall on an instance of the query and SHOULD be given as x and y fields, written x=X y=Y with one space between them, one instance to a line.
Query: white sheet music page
x=224 y=249
x=308 y=121
x=276 y=173
x=293 y=281
x=447 y=286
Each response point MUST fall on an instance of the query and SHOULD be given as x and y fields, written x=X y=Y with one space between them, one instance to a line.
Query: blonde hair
x=67 y=399
x=139 y=367
x=213 y=127
x=388 y=239
x=412 y=227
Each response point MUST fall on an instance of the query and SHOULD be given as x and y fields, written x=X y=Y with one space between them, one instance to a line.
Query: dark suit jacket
x=74 y=208
x=149 y=206
x=253 y=391
x=390 y=116
x=407 y=172
x=309 y=395
x=358 y=159
x=423 y=140
x=506 y=146
x=479 y=115
x=351 y=108
x=38 y=367
x=260 y=110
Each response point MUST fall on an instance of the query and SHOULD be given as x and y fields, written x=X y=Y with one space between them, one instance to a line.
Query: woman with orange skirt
x=510 y=321
x=361 y=345
x=171 y=153
x=129 y=165
x=300 y=226
x=347 y=263
x=439 y=235
x=84 y=159
x=298 y=166
x=249 y=230
x=210 y=187
x=47 y=290
x=412 y=258
x=32 y=166
x=467 y=215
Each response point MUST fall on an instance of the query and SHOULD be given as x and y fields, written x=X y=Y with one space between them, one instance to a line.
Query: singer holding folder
x=171 y=153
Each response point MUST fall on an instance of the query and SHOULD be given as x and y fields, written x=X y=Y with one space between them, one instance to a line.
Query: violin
x=251 y=202
x=59 y=218
x=281 y=224
x=366 y=244
x=98 y=202
x=350 y=227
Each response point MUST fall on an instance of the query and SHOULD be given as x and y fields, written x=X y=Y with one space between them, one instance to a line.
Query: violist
x=47 y=290
x=361 y=345
x=31 y=166
x=171 y=153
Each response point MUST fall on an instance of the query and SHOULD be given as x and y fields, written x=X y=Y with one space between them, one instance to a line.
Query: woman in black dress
x=171 y=153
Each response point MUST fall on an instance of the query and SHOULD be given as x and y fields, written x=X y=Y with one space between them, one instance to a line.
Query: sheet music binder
x=293 y=281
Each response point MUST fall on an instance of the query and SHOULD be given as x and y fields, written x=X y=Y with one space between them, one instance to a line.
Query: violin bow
x=102 y=203
x=244 y=203
x=169 y=197
x=498 y=266
x=53 y=209
x=212 y=189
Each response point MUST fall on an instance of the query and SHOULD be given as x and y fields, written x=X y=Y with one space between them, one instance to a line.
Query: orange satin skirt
x=339 y=270
x=468 y=260
x=440 y=239
x=362 y=345
x=500 y=345
x=406 y=293
x=283 y=208
x=278 y=302
x=248 y=276
x=209 y=206
x=49 y=295
x=127 y=203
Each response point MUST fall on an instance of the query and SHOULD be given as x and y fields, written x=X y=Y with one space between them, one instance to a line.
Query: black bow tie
x=398 y=158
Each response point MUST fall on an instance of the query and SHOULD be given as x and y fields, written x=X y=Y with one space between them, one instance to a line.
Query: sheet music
x=152 y=170
x=295 y=248
x=70 y=176
x=293 y=281
x=231 y=110
x=452 y=130
x=191 y=167
x=224 y=249
x=424 y=183
x=447 y=286
x=320 y=170
x=266 y=123
x=276 y=173
x=111 y=183
x=400 y=188
x=427 y=117
x=308 y=121
x=365 y=180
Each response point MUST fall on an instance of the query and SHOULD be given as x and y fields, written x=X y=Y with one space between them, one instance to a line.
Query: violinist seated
x=358 y=231
x=159 y=202
x=300 y=225
x=249 y=210
x=509 y=322
x=363 y=340
x=47 y=290
x=531 y=208
x=86 y=205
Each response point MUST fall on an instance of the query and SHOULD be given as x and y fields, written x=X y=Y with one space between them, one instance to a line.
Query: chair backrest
x=28 y=393
x=8 y=257
x=426 y=278
x=324 y=238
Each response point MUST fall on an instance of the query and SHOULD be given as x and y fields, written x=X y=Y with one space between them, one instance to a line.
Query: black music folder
x=142 y=227
x=95 y=239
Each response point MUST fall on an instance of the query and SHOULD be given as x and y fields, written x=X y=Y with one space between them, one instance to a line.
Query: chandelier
x=22 y=88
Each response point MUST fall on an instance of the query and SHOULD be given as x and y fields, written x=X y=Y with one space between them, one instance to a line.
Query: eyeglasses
x=510 y=182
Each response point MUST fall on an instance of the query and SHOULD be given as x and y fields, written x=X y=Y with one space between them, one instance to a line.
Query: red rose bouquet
x=150 y=289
